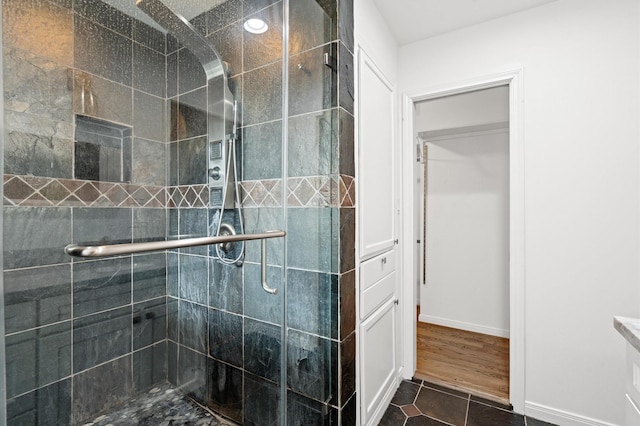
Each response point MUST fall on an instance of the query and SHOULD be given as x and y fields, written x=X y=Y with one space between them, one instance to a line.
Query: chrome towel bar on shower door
x=131 y=248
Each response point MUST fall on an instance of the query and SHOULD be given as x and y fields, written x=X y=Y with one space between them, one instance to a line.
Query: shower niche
x=102 y=150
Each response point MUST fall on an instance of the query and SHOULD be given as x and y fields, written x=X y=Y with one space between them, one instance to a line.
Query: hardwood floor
x=471 y=362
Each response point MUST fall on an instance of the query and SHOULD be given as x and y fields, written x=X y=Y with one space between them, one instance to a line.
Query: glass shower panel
x=110 y=122
x=320 y=213
x=237 y=369
x=119 y=128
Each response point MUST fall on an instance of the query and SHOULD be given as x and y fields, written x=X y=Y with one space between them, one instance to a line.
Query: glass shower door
x=114 y=127
x=166 y=121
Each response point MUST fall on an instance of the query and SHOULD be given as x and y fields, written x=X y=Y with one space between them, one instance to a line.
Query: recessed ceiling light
x=255 y=26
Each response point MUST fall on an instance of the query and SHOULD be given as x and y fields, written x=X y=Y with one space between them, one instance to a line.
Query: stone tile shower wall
x=69 y=323
x=320 y=212
x=81 y=336
x=226 y=344
x=225 y=331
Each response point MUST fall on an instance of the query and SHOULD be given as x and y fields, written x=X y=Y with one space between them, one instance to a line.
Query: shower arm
x=186 y=34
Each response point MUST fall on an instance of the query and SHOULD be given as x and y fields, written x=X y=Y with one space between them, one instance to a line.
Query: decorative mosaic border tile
x=261 y=193
x=34 y=191
x=309 y=191
x=188 y=196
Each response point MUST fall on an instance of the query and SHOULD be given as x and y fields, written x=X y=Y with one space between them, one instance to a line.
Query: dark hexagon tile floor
x=420 y=403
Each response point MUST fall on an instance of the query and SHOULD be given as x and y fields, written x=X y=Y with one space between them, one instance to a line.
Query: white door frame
x=512 y=78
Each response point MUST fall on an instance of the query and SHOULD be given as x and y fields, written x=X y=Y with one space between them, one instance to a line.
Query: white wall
x=581 y=86
x=474 y=297
x=477 y=108
x=372 y=33
x=465 y=110
x=467 y=255
x=467 y=212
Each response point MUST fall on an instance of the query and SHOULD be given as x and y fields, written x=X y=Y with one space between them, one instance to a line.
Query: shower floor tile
x=160 y=406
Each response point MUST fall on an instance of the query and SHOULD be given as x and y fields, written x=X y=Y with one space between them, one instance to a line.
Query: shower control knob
x=215 y=173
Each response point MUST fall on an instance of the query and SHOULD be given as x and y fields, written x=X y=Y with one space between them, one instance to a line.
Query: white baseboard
x=476 y=328
x=559 y=417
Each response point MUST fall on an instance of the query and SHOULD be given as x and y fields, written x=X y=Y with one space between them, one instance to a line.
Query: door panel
x=377 y=359
x=376 y=160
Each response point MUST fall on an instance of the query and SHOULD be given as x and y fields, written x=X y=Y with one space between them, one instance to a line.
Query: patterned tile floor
x=420 y=403
x=416 y=403
x=161 y=406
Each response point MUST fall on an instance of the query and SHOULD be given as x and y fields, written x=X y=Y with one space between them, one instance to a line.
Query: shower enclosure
x=153 y=121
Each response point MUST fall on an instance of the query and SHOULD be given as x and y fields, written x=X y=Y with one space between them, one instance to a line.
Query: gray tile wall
x=244 y=325
x=321 y=240
x=216 y=334
x=81 y=336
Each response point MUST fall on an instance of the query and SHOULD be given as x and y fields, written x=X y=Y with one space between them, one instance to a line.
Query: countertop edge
x=629 y=328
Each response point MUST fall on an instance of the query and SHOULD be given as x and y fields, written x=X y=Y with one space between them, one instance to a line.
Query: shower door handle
x=263 y=265
x=132 y=248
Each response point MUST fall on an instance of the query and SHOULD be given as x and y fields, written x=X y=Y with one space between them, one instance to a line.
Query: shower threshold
x=163 y=405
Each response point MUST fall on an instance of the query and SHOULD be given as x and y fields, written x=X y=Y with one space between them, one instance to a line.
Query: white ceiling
x=413 y=20
x=409 y=20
